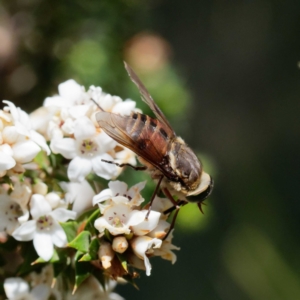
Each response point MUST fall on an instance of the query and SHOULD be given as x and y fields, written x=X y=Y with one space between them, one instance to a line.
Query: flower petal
x=118 y=187
x=124 y=108
x=102 y=196
x=70 y=90
x=14 y=287
x=135 y=217
x=43 y=245
x=58 y=235
x=40 y=140
x=6 y=161
x=78 y=193
x=84 y=128
x=140 y=245
x=146 y=225
x=10 y=134
x=63 y=215
x=103 y=169
x=78 y=168
x=26 y=231
x=39 y=206
x=25 y=151
x=78 y=111
x=65 y=146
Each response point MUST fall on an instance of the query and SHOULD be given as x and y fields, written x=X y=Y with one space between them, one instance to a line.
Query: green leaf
x=99 y=275
x=59 y=256
x=42 y=160
x=123 y=261
x=108 y=235
x=54 y=259
x=93 y=249
x=86 y=257
x=70 y=229
x=81 y=242
x=82 y=270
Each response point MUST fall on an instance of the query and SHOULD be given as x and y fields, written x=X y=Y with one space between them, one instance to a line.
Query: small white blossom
x=86 y=151
x=19 y=143
x=23 y=127
x=165 y=251
x=10 y=214
x=91 y=289
x=80 y=194
x=118 y=218
x=148 y=224
x=44 y=229
x=143 y=246
x=18 y=289
x=118 y=190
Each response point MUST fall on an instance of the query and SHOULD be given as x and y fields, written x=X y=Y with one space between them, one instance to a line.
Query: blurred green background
x=226 y=74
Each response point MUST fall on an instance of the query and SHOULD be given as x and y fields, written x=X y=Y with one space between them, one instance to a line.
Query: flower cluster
x=68 y=122
x=55 y=209
x=135 y=232
x=39 y=287
x=19 y=142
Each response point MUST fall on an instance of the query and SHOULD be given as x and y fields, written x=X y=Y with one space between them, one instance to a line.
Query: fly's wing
x=143 y=143
x=146 y=97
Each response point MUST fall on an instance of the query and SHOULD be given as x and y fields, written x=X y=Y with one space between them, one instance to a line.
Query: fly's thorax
x=186 y=165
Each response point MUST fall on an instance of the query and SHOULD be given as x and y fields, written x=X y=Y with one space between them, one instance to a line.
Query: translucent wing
x=146 y=97
x=151 y=147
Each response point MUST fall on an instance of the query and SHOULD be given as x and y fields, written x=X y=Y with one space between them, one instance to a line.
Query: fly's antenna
x=97 y=104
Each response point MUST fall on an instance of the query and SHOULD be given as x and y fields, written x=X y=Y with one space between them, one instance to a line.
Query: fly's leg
x=176 y=206
x=153 y=195
x=140 y=168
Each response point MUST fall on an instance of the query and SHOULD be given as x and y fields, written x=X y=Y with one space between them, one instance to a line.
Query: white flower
x=70 y=94
x=143 y=246
x=18 y=289
x=165 y=251
x=71 y=103
x=23 y=127
x=44 y=229
x=91 y=289
x=80 y=194
x=11 y=214
x=118 y=218
x=21 y=194
x=6 y=158
x=86 y=151
x=118 y=190
x=160 y=230
x=19 y=142
x=55 y=200
x=148 y=224
x=161 y=205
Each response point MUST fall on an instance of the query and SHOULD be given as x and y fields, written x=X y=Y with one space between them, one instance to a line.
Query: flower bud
x=21 y=193
x=120 y=244
x=106 y=254
x=53 y=199
x=40 y=188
